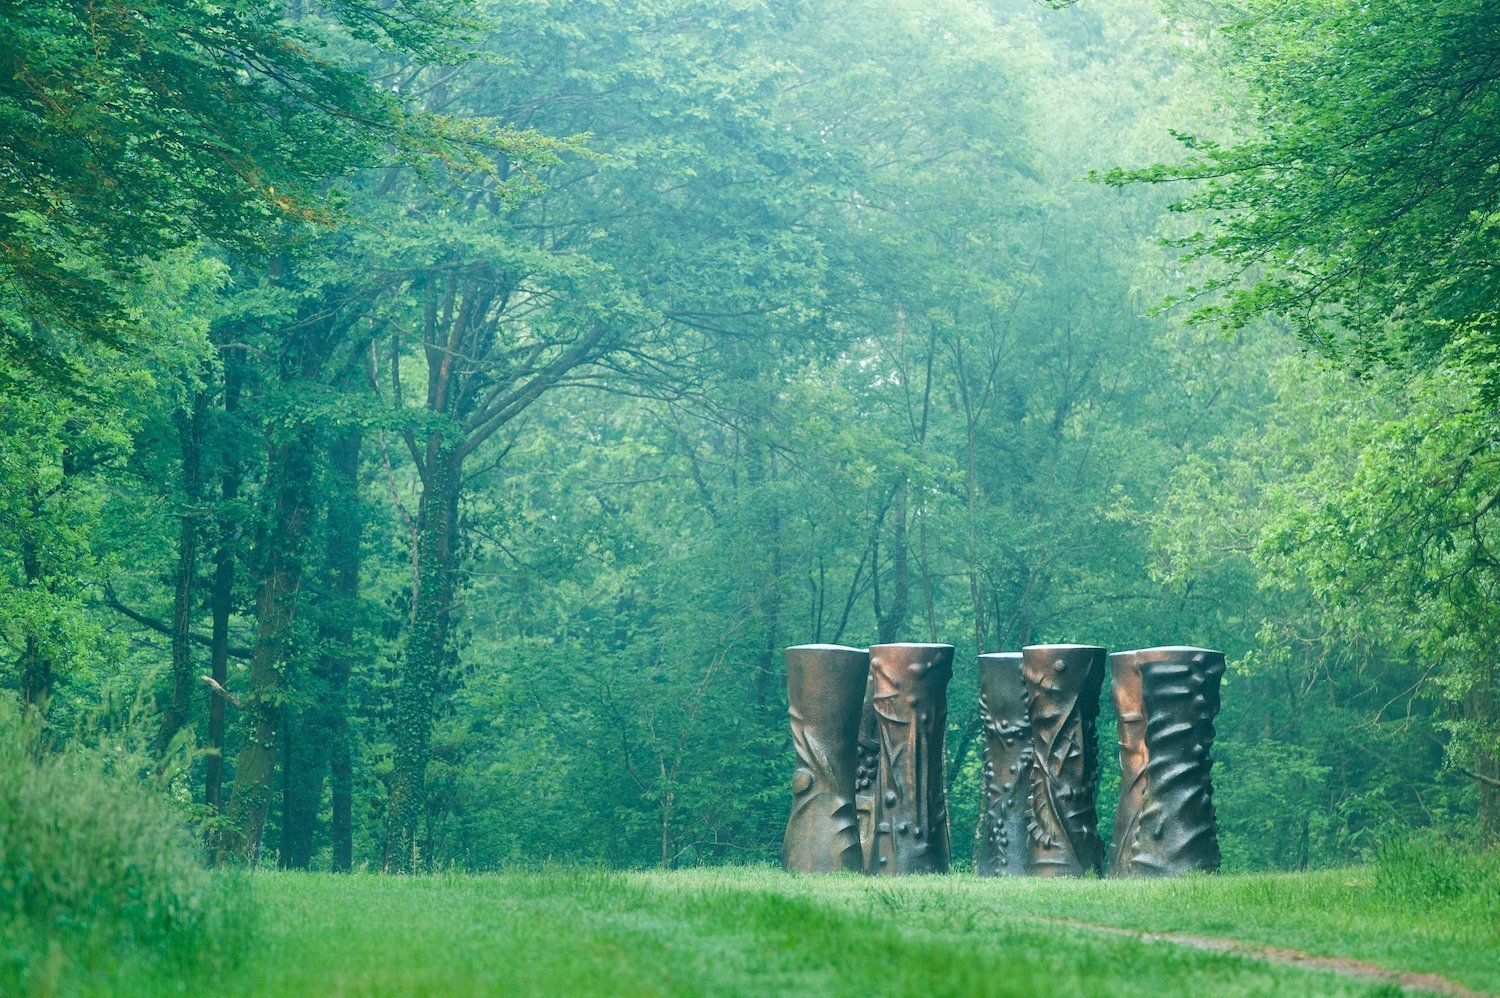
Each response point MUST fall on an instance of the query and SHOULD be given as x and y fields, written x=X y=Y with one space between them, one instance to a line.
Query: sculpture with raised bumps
x=1000 y=838
x=1177 y=831
x=911 y=802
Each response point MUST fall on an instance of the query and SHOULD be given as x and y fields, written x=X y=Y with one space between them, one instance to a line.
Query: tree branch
x=1490 y=780
x=213 y=685
x=113 y=602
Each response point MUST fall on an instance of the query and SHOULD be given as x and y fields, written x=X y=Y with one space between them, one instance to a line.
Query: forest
x=424 y=423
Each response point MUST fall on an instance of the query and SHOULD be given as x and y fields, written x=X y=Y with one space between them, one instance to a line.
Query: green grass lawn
x=759 y=931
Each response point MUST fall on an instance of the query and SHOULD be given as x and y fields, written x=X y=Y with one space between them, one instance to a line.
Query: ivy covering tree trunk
x=426 y=655
x=279 y=560
x=337 y=632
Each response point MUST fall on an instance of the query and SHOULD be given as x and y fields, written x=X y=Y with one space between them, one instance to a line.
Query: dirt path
x=1425 y=983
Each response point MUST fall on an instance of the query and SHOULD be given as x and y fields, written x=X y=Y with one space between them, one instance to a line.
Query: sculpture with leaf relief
x=825 y=687
x=1063 y=683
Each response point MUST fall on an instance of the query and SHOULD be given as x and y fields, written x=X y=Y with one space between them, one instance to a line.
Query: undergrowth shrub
x=101 y=887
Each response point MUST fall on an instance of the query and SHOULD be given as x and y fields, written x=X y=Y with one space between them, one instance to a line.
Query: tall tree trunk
x=346 y=521
x=890 y=614
x=304 y=769
x=221 y=600
x=426 y=655
x=316 y=735
x=928 y=602
x=341 y=787
x=290 y=467
x=36 y=665
x=772 y=665
x=971 y=489
x=760 y=472
x=179 y=710
x=290 y=762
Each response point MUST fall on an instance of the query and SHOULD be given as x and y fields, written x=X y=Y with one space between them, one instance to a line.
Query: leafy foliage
x=1361 y=208
x=136 y=128
x=1363 y=205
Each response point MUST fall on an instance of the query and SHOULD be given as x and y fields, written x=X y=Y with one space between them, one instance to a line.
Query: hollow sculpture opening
x=1130 y=720
x=865 y=773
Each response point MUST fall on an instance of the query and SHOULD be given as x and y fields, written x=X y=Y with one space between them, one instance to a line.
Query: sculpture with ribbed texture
x=1177 y=831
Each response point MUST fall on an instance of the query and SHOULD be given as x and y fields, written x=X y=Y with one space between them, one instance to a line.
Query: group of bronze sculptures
x=869 y=793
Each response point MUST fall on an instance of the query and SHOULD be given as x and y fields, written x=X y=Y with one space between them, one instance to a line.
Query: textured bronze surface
x=825 y=686
x=911 y=802
x=1000 y=838
x=867 y=770
x=1177 y=832
x=1130 y=714
x=1063 y=683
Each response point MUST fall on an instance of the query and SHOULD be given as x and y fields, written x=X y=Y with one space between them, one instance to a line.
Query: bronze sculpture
x=866 y=769
x=1000 y=838
x=1063 y=683
x=911 y=800
x=825 y=686
x=1130 y=717
x=1176 y=831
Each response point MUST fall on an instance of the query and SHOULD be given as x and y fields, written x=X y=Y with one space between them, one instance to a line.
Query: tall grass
x=100 y=885
x=1425 y=870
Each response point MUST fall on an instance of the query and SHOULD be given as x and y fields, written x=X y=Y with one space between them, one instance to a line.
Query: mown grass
x=102 y=892
x=759 y=931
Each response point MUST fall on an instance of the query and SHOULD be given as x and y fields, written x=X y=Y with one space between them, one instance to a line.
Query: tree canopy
x=1362 y=206
x=136 y=128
